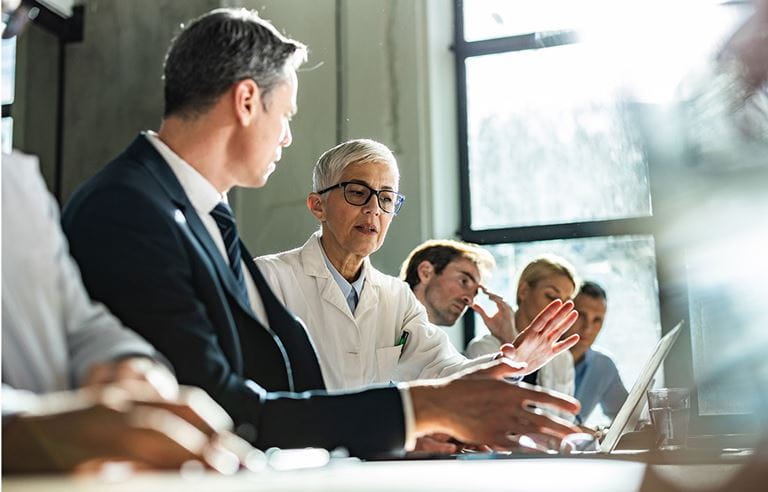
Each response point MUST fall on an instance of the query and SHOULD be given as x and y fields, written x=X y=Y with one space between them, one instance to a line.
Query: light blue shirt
x=598 y=381
x=351 y=291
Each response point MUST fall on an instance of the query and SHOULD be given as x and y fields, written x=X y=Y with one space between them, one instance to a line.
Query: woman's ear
x=316 y=206
x=523 y=289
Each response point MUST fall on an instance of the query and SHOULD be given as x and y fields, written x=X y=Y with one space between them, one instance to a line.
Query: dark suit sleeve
x=134 y=258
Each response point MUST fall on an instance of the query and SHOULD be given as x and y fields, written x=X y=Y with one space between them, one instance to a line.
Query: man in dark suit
x=157 y=243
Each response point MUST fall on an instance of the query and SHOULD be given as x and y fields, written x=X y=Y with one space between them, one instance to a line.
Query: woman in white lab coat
x=367 y=327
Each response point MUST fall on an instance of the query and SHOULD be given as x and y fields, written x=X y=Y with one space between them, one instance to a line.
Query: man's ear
x=247 y=100
x=316 y=206
x=426 y=271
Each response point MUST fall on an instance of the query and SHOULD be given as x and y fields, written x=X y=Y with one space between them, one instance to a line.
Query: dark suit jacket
x=144 y=252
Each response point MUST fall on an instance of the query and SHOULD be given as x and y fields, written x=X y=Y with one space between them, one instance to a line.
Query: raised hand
x=501 y=324
x=540 y=341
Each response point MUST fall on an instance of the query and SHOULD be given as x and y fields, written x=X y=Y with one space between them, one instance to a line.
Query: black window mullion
x=616 y=227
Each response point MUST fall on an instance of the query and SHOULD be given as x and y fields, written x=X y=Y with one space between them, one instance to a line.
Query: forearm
x=367 y=422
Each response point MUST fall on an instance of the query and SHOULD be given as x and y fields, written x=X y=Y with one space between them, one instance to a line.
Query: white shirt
x=204 y=198
x=52 y=332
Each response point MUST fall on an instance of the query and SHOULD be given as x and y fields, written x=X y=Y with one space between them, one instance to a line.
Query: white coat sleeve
x=428 y=352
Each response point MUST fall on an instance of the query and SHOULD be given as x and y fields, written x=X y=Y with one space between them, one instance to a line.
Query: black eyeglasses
x=359 y=194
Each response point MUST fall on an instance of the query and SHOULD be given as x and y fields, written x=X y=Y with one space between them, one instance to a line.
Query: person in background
x=544 y=280
x=596 y=377
x=446 y=275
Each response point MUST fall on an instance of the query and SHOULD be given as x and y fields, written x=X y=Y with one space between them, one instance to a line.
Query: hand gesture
x=501 y=324
x=539 y=342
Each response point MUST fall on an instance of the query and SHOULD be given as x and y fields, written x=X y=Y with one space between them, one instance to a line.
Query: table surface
x=563 y=474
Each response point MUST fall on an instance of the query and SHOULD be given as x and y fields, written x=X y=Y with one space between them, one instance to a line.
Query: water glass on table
x=670 y=413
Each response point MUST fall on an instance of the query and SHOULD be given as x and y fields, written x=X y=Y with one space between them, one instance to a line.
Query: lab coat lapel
x=369 y=297
x=314 y=266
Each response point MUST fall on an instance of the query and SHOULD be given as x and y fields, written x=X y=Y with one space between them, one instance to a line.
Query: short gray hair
x=219 y=49
x=330 y=166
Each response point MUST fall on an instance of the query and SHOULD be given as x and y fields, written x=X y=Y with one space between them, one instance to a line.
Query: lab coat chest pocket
x=387 y=358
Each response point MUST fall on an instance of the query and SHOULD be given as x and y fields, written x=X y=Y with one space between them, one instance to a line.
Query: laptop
x=628 y=415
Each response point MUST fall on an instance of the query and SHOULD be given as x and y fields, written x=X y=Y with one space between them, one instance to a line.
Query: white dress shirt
x=204 y=197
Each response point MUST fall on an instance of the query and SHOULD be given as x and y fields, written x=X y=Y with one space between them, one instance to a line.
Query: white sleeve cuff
x=409 y=417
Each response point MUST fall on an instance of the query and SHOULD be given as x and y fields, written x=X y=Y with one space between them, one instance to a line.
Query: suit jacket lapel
x=142 y=150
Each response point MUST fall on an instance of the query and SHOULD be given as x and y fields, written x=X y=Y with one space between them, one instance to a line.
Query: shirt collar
x=584 y=362
x=201 y=193
x=345 y=286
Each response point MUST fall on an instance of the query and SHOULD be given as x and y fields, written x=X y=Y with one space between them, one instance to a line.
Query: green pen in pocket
x=403 y=338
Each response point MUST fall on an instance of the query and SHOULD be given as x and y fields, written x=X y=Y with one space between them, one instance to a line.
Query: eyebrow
x=361 y=181
x=551 y=286
x=469 y=275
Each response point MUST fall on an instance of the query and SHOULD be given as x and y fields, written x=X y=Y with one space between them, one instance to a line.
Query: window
x=551 y=163
x=551 y=158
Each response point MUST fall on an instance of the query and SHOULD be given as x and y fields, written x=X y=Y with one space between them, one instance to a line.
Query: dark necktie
x=222 y=214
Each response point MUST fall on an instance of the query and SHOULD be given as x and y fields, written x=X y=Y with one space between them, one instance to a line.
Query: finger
x=479 y=310
x=197 y=408
x=498 y=369
x=508 y=350
x=162 y=439
x=566 y=344
x=546 y=314
x=562 y=326
x=534 y=395
x=552 y=425
x=561 y=314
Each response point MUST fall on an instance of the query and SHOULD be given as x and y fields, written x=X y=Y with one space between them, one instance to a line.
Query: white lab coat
x=361 y=348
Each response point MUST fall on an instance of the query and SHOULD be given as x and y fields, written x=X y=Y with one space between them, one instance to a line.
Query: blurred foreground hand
x=126 y=421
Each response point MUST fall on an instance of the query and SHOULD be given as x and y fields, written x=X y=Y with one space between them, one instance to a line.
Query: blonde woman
x=543 y=280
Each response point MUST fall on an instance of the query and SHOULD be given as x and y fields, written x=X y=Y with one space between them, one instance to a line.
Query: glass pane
x=625 y=266
x=534 y=134
x=486 y=19
x=8 y=70
x=7 y=142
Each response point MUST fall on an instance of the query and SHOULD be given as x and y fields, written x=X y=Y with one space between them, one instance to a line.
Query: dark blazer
x=144 y=252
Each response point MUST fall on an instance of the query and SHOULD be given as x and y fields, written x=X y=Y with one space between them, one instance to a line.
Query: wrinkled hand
x=134 y=369
x=539 y=342
x=125 y=422
x=501 y=325
x=480 y=407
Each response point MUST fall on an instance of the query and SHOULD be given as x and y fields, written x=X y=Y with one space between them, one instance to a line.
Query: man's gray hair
x=219 y=49
x=330 y=166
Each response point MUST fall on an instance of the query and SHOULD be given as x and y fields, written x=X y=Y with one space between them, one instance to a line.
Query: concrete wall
x=379 y=69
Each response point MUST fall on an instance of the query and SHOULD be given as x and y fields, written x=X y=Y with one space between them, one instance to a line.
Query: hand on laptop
x=482 y=408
